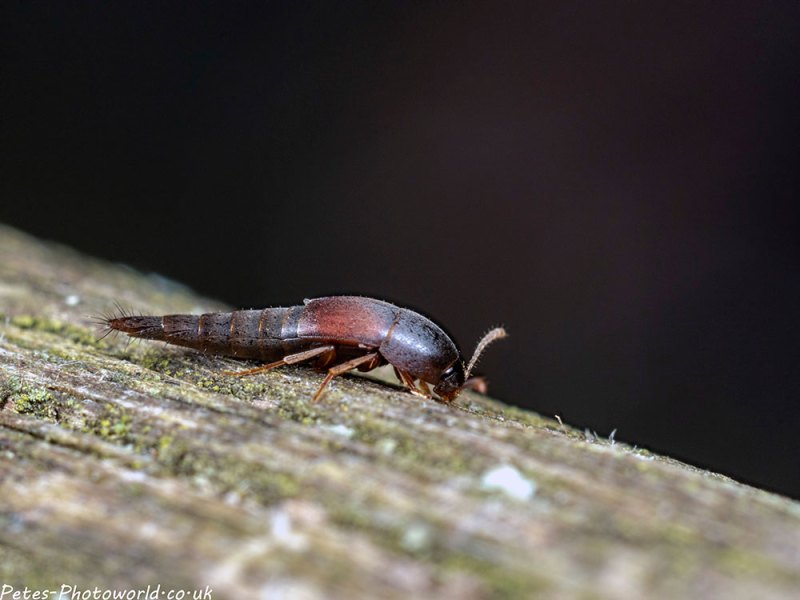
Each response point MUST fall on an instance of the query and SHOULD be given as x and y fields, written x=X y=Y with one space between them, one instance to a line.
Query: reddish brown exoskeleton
x=337 y=333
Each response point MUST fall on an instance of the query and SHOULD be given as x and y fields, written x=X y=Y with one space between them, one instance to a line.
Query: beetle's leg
x=425 y=389
x=344 y=368
x=291 y=359
x=408 y=380
x=476 y=383
x=324 y=361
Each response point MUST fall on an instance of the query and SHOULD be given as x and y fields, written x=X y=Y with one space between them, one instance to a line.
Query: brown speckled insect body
x=336 y=333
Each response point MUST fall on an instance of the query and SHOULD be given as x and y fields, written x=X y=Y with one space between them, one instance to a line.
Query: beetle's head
x=456 y=377
x=451 y=382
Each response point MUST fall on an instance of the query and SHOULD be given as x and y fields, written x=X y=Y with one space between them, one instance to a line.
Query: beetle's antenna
x=498 y=333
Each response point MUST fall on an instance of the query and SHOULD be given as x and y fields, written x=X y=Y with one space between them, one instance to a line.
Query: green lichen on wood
x=74 y=333
x=28 y=400
x=140 y=463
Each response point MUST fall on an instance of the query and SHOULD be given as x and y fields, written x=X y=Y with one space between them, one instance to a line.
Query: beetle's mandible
x=335 y=333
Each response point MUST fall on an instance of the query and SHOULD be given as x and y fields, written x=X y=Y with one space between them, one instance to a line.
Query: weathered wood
x=126 y=465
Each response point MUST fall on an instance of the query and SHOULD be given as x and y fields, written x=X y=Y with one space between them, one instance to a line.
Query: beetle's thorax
x=417 y=345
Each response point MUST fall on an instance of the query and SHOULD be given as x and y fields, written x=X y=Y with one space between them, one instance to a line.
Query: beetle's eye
x=448 y=373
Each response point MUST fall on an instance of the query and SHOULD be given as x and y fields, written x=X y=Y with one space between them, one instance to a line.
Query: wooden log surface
x=127 y=465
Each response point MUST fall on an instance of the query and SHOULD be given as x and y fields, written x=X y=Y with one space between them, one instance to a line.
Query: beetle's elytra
x=335 y=333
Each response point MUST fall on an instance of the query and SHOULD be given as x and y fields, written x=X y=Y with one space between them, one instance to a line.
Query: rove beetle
x=335 y=333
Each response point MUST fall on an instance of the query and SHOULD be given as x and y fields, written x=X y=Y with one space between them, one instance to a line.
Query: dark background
x=616 y=183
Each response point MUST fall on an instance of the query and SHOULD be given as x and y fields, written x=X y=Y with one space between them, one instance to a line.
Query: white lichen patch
x=386 y=446
x=508 y=479
x=340 y=429
x=284 y=534
x=416 y=538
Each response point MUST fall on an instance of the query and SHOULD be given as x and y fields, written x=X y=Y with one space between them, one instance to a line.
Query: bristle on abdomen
x=209 y=332
x=150 y=328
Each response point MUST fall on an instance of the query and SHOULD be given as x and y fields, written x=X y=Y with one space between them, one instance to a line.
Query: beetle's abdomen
x=242 y=333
